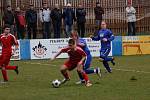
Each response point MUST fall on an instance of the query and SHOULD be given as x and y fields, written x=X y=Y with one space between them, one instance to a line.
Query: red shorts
x=4 y=59
x=70 y=64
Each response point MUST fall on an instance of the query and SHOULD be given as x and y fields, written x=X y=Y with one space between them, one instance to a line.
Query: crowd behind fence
x=114 y=13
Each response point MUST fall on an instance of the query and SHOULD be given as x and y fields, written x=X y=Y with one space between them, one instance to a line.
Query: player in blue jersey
x=105 y=36
x=87 y=63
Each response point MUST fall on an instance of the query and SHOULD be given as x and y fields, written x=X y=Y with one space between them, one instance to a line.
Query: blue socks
x=106 y=65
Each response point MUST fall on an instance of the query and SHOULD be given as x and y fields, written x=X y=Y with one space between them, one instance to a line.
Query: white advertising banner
x=39 y=49
x=94 y=47
x=47 y=48
x=56 y=45
x=16 y=56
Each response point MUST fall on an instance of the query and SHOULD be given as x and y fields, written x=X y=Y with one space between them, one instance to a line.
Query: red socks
x=85 y=76
x=11 y=67
x=4 y=73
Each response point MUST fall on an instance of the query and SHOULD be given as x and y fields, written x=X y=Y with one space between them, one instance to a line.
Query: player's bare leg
x=64 y=71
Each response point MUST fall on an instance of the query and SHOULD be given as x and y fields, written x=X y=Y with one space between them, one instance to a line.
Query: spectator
x=131 y=19
x=45 y=19
x=56 y=16
x=9 y=18
x=20 y=23
x=31 y=20
x=80 y=15
x=69 y=17
x=98 y=10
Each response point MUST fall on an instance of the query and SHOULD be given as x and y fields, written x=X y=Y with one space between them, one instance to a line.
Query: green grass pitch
x=130 y=80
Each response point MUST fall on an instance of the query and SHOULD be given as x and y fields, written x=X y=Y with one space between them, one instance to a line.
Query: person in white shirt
x=45 y=19
x=131 y=19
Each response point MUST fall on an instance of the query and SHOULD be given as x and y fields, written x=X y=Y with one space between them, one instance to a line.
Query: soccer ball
x=56 y=83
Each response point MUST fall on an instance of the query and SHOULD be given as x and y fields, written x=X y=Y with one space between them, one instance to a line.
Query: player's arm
x=96 y=38
x=14 y=50
x=56 y=55
x=112 y=37
x=82 y=44
x=82 y=60
x=15 y=44
x=61 y=51
x=83 y=54
x=16 y=47
x=80 y=64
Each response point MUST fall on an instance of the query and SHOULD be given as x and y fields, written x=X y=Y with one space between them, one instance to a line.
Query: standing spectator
x=80 y=15
x=9 y=18
x=131 y=19
x=69 y=17
x=45 y=19
x=98 y=10
x=20 y=23
x=56 y=16
x=31 y=20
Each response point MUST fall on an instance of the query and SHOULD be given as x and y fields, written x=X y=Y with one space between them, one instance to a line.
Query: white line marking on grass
x=39 y=64
x=125 y=70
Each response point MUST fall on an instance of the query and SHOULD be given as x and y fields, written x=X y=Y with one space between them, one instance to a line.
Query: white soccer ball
x=56 y=83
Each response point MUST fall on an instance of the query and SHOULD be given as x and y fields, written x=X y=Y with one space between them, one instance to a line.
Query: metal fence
x=114 y=12
x=1 y=12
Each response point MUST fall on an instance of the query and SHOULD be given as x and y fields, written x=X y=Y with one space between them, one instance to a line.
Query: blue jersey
x=82 y=43
x=104 y=33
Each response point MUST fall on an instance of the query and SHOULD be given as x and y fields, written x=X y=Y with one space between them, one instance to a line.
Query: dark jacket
x=98 y=13
x=69 y=16
x=80 y=14
x=31 y=16
x=56 y=15
x=8 y=17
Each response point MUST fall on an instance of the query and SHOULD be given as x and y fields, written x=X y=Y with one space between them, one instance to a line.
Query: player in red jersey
x=7 y=40
x=75 y=60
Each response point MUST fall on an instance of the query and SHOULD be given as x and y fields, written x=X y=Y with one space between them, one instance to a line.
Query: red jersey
x=7 y=42
x=74 y=56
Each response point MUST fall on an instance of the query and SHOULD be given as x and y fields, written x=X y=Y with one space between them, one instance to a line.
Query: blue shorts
x=87 y=62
